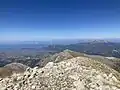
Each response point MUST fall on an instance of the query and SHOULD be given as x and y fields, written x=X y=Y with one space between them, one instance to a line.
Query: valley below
x=88 y=66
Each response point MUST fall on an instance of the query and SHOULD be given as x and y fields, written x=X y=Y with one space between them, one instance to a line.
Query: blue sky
x=55 y=19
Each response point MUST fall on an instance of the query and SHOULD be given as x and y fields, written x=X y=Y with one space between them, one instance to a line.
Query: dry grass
x=4 y=72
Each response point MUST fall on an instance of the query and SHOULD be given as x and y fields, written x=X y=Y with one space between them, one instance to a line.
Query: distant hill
x=16 y=67
x=12 y=68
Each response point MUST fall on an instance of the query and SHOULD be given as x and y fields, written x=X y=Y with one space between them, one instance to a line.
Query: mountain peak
x=79 y=73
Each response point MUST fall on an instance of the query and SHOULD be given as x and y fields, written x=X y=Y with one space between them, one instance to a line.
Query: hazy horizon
x=59 y=19
x=60 y=41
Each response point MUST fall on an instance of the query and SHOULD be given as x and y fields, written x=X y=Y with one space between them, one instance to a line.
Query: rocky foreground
x=80 y=73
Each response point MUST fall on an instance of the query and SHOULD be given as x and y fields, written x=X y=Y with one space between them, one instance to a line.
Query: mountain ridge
x=77 y=73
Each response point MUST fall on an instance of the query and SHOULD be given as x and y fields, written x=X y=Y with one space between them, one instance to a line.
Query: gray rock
x=78 y=73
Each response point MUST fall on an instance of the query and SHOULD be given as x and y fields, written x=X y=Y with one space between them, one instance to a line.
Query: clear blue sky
x=53 y=19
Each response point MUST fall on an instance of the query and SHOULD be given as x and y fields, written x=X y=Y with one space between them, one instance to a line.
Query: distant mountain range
x=60 y=41
x=104 y=48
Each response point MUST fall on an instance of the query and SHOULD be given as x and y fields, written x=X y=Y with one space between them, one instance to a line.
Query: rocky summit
x=79 y=73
